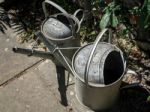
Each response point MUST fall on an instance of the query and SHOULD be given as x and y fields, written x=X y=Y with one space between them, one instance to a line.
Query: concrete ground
x=29 y=84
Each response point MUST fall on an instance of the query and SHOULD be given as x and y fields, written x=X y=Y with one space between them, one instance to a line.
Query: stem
x=87 y=11
x=146 y=19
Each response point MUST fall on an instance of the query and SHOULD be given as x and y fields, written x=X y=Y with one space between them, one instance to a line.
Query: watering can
x=62 y=29
x=61 y=25
x=99 y=68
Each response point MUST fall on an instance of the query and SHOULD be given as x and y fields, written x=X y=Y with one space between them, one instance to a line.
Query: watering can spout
x=31 y=52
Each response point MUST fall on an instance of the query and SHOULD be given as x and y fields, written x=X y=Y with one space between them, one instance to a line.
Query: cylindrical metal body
x=97 y=97
x=94 y=93
x=62 y=42
x=61 y=30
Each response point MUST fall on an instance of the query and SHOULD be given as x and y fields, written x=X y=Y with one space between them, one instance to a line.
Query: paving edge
x=21 y=73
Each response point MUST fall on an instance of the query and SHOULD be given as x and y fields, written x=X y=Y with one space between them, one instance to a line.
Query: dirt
x=135 y=92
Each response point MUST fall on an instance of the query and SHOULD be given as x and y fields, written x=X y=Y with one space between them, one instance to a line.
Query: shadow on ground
x=61 y=84
x=132 y=100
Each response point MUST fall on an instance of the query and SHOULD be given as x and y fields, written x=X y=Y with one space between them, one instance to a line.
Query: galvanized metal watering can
x=99 y=68
x=62 y=29
x=61 y=25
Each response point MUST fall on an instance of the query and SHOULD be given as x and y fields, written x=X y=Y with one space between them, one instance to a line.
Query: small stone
x=46 y=61
x=7 y=40
x=70 y=79
x=17 y=90
x=6 y=49
x=71 y=93
x=131 y=72
x=139 y=70
x=20 y=78
x=27 y=106
x=88 y=111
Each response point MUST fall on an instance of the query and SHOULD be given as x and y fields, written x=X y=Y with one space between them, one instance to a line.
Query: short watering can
x=62 y=25
x=99 y=68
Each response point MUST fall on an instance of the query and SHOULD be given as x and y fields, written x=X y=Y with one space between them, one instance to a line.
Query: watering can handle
x=54 y=5
x=99 y=37
x=76 y=12
x=77 y=20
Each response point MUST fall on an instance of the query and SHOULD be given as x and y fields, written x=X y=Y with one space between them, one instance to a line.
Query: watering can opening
x=113 y=67
x=64 y=20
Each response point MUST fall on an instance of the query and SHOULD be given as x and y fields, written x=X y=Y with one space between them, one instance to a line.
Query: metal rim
x=94 y=84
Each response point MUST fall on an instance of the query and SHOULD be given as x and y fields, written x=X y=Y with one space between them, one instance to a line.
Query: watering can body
x=55 y=28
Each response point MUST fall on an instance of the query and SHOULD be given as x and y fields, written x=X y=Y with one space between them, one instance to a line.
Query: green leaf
x=114 y=21
x=141 y=21
x=105 y=20
x=148 y=99
x=148 y=7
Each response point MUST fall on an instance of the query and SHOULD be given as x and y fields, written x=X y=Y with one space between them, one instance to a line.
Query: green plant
x=114 y=13
x=110 y=18
x=142 y=14
x=148 y=99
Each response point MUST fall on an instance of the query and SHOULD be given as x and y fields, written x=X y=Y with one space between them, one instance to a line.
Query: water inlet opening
x=113 y=67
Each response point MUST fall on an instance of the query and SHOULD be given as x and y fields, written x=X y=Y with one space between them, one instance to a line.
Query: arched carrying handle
x=78 y=21
x=76 y=13
x=99 y=37
x=54 y=5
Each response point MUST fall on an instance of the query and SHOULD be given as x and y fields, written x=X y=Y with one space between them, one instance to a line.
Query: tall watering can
x=62 y=29
x=99 y=68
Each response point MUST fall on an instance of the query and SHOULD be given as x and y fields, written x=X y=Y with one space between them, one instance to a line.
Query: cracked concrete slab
x=11 y=63
x=29 y=94
x=37 y=91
